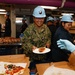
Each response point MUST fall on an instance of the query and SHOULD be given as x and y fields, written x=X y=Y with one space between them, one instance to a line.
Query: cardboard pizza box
x=44 y=66
x=20 y=58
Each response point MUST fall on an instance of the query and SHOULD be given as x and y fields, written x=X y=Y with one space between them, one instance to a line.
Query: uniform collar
x=41 y=29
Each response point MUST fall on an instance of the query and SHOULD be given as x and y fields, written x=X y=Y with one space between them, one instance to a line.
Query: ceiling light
x=67 y=13
x=49 y=7
x=2 y=10
x=18 y=20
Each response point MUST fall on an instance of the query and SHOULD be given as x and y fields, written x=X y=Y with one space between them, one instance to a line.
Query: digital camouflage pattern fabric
x=36 y=37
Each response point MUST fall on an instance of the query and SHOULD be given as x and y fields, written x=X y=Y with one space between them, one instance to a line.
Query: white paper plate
x=45 y=51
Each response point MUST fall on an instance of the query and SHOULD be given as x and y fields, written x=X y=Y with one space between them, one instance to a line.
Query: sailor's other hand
x=33 y=48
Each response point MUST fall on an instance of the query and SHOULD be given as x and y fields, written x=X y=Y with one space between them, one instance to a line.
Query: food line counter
x=10 y=44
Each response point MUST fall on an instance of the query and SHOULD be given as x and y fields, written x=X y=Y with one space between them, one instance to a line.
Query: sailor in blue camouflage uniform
x=37 y=35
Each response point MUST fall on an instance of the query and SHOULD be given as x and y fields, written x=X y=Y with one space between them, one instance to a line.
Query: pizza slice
x=13 y=69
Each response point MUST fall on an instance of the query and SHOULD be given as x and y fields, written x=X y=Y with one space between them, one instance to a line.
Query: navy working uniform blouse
x=57 y=53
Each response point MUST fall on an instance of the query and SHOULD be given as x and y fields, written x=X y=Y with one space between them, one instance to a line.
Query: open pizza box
x=58 y=68
x=62 y=68
x=17 y=64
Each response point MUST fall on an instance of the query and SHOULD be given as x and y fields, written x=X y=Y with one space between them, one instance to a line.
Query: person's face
x=5 y=15
x=23 y=21
x=49 y=23
x=38 y=21
x=67 y=26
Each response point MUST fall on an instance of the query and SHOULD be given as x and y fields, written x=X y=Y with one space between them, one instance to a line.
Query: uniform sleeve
x=27 y=40
x=49 y=36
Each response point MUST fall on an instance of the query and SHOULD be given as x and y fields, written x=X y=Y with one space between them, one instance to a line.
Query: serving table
x=42 y=67
x=20 y=58
x=11 y=46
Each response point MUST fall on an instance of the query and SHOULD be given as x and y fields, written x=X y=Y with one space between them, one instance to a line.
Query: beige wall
x=2 y=19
